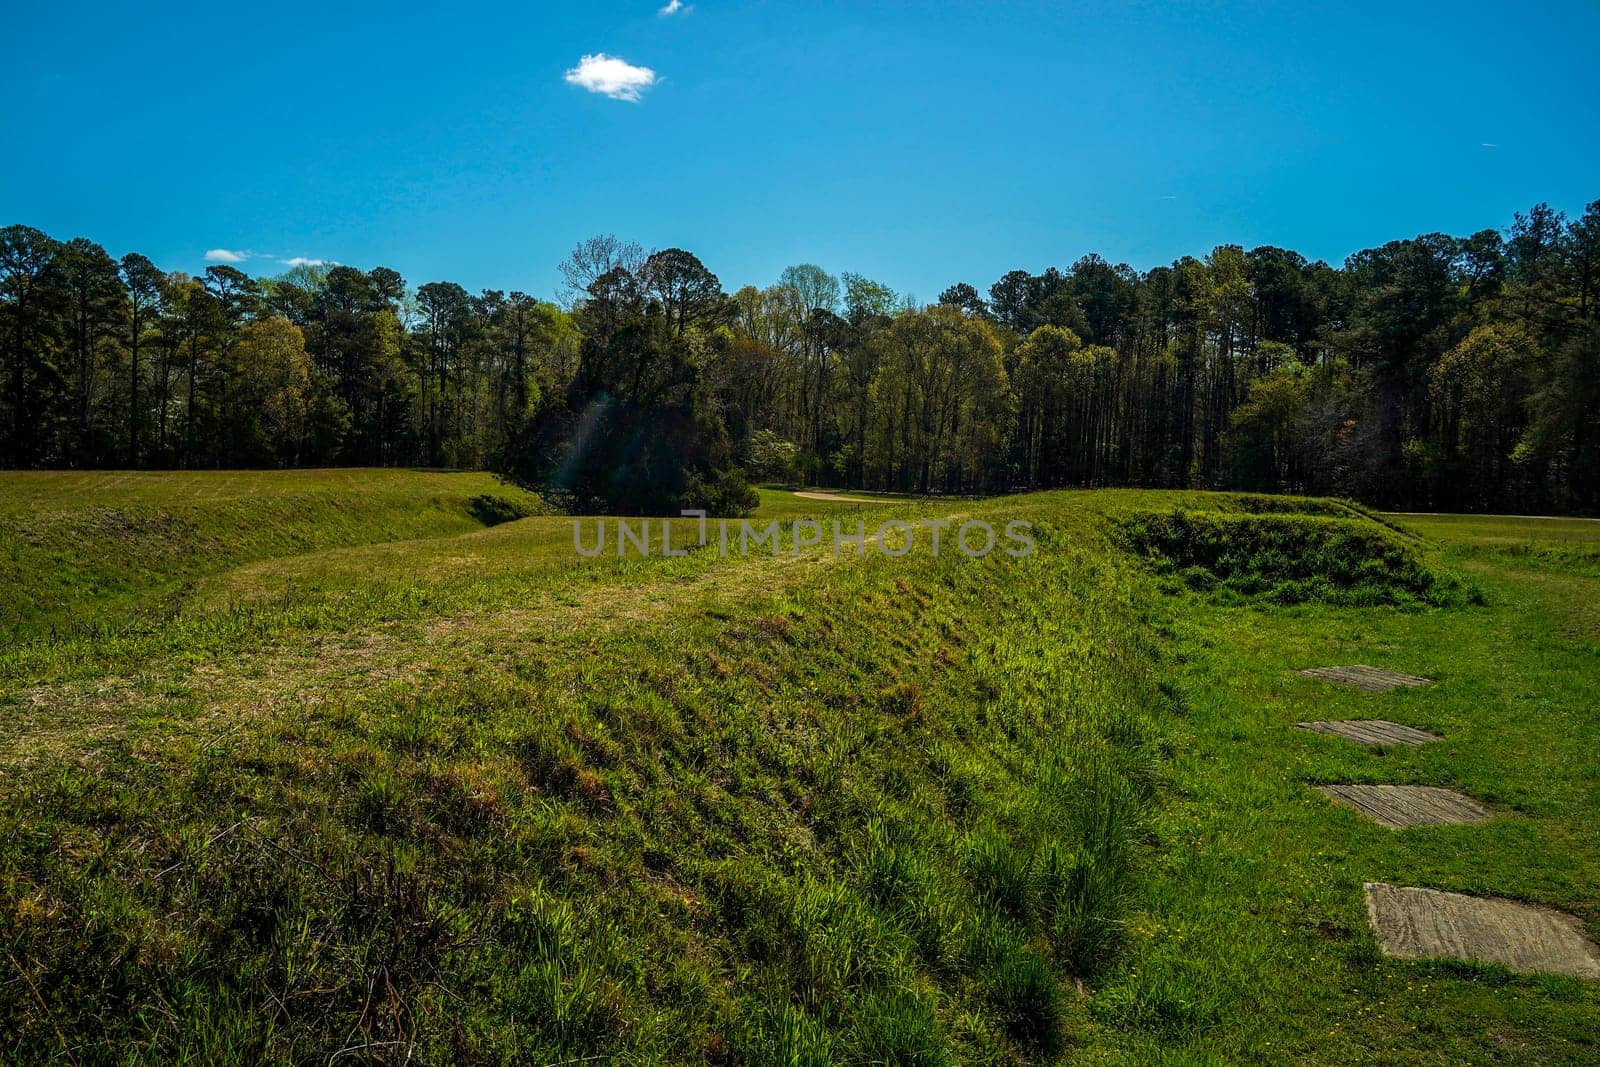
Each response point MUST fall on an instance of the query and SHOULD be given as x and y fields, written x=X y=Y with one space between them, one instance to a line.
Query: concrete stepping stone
x=1368 y=679
x=1371 y=731
x=1399 y=806
x=1416 y=924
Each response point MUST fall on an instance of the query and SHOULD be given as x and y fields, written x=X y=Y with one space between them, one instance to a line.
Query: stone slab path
x=1372 y=731
x=1368 y=679
x=1413 y=923
x=1399 y=806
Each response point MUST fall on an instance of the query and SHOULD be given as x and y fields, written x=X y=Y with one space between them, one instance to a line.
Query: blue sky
x=920 y=144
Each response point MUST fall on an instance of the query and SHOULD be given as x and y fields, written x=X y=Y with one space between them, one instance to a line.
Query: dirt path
x=1488 y=515
x=807 y=495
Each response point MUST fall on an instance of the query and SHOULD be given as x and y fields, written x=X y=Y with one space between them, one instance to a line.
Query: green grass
x=1252 y=941
x=1571 y=545
x=93 y=550
x=535 y=808
x=460 y=796
x=1287 y=558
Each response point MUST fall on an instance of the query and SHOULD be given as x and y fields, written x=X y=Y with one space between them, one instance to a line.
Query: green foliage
x=492 y=510
x=1260 y=445
x=770 y=458
x=1436 y=372
x=1287 y=558
x=639 y=431
x=725 y=494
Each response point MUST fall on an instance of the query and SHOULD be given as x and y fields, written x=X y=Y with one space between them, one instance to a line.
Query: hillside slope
x=778 y=809
x=96 y=549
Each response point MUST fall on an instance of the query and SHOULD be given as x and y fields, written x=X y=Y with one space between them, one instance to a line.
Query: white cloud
x=611 y=76
x=675 y=7
x=302 y=261
x=226 y=255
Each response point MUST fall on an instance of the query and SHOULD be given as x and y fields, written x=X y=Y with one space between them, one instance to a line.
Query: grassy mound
x=1268 y=504
x=804 y=812
x=1286 y=558
x=97 y=549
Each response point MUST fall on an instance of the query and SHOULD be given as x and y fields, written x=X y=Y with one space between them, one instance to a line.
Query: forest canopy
x=1437 y=372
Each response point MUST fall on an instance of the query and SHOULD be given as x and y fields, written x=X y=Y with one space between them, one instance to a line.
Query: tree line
x=1433 y=372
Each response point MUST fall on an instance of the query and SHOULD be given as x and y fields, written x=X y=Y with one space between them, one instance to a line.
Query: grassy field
x=95 y=550
x=338 y=771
